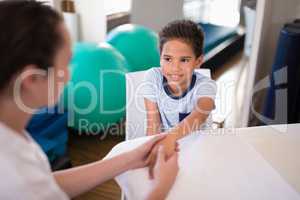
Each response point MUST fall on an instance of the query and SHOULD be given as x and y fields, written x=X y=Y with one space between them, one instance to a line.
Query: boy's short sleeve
x=150 y=85
x=206 y=88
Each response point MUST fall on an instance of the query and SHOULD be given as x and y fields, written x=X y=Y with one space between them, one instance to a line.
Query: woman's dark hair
x=185 y=30
x=29 y=35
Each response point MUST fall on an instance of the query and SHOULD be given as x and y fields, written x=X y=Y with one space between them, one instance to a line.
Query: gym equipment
x=138 y=44
x=95 y=97
x=284 y=107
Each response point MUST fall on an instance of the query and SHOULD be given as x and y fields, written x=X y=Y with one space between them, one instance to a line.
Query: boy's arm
x=153 y=117
x=194 y=120
x=191 y=123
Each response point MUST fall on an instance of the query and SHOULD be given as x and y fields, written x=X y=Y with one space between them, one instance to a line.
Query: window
x=219 y=12
x=116 y=6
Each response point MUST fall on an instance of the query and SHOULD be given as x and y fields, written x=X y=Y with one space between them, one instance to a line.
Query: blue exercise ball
x=95 y=97
x=138 y=44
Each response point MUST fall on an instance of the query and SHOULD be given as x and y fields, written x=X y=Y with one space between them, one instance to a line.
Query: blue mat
x=215 y=35
x=49 y=129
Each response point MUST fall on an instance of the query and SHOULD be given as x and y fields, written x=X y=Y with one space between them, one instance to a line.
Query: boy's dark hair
x=185 y=30
x=29 y=35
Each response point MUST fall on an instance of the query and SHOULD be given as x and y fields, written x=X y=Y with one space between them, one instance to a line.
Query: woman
x=35 y=50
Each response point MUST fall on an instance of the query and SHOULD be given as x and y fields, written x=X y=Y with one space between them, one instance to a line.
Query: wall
x=92 y=19
x=155 y=14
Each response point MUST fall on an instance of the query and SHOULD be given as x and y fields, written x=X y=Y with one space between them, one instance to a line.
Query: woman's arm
x=165 y=172
x=153 y=117
x=81 y=179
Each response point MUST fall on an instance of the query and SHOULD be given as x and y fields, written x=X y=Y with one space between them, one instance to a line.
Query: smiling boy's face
x=178 y=62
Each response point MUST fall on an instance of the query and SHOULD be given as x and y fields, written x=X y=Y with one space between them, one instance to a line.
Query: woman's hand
x=165 y=172
x=139 y=156
x=170 y=147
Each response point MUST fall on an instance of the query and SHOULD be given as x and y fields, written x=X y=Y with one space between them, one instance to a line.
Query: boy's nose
x=176 y=67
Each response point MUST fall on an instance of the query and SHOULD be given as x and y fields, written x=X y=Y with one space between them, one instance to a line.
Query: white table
x=246 y=163
x=280 y=146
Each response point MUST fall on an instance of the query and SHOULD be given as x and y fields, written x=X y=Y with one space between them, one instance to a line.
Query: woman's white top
x=25 y=172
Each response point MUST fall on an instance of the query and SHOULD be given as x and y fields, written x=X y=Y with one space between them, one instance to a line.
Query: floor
x=85 y=149
x=230 y=79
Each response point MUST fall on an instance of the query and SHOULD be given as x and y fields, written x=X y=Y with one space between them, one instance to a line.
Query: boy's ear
x=199 y=61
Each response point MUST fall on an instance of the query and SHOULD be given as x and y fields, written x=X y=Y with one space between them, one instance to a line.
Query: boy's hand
x=170 y=146
x=140 y=155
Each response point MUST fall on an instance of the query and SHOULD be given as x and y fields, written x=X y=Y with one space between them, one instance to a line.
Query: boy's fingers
x=174 y=159
x=151 y=153
x=149 y=158
x=151 y=167
x=151 y=176
x=150 y=163
x=147 y=162
x=157 y=158
x=161 y=154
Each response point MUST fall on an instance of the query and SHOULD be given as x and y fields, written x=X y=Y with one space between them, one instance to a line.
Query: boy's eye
x=185 y=60
x=167 y=59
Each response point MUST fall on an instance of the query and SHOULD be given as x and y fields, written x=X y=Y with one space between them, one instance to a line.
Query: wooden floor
x=85 y=149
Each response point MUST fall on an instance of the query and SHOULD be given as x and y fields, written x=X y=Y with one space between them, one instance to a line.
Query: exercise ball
x=95 y=96
x=138 y=44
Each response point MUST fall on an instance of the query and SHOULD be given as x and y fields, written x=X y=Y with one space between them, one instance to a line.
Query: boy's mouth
x=175 y=77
